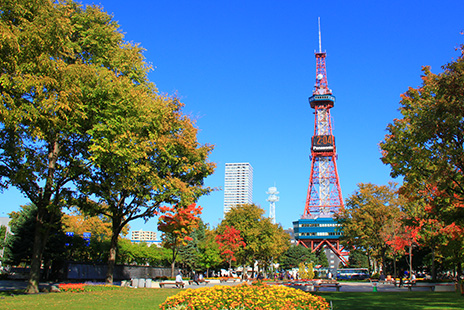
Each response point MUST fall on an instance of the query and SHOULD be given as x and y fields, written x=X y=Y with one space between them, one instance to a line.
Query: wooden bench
x=328 y=285
x=444 y=287
x=228 y=279
x=199 y=281
x=162 y=284
x=301 y=284
x=411 y=285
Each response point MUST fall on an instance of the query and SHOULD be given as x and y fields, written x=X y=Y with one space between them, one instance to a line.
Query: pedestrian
x=179 y=282
x=195 y=278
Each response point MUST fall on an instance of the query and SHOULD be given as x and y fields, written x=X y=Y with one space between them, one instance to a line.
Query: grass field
x=396 y=301
x=143 y=298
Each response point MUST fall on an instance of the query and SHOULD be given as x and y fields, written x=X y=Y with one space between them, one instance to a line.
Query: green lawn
x=397 y=301
x=143 y=298
x=122 y=298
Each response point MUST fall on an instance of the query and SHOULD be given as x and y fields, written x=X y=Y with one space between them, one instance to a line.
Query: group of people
x=197 y=278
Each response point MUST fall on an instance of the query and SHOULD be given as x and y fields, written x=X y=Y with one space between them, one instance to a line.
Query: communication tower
x=317 y=229
x=273 y=198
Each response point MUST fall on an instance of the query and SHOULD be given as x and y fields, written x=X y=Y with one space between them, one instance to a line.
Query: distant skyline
x=245 y=70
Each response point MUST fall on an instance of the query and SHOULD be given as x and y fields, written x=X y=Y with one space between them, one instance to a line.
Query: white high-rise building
x=238 y=185
x=141 y=236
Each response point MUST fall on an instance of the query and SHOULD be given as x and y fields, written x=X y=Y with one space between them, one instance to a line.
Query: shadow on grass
x=397 y=301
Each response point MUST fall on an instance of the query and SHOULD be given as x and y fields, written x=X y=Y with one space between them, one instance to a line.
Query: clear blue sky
x=245 y=70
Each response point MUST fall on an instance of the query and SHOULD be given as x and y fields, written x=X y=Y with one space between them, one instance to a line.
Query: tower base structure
x=321 y=234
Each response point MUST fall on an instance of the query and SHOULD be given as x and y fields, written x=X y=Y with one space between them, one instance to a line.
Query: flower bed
x=244 y=296
x=72 y=287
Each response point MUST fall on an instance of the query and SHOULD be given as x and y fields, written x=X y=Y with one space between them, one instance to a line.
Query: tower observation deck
x=317 y=229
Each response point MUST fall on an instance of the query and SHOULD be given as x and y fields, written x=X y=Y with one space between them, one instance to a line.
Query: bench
x=328 y=285
x=162 y=284
x=300 y=284
x=199 y=281
x=227 y=279
x=411 y=285
x=445 y=287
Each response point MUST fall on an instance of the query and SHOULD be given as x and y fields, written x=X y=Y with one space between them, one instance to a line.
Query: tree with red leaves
x=229 y=242
x=177 y=223
x=425 y=147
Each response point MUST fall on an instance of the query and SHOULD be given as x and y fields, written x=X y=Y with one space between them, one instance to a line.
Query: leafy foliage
x=296 y=255
x=77 y=106
x=425 y=147
x=229 y=242
x=370 y=215
x=265 y=241
x=177 y=223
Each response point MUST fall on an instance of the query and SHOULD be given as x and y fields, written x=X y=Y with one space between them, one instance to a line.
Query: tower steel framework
x=317 y=229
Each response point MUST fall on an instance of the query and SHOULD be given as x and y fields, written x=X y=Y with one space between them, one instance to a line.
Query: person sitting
x=413 y=277
x=195 y=278
x=382 y=278
x=179 y=282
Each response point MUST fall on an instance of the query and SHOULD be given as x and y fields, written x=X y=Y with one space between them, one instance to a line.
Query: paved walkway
x=6 y=285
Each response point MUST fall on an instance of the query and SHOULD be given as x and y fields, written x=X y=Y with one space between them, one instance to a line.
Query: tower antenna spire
x=319 y=24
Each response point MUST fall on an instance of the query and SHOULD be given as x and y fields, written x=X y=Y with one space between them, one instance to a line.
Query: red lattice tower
x=324 y=195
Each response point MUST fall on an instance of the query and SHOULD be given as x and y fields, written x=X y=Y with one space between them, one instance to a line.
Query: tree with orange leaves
x=229 y=242
x=424 y=226
x=177 y=222
x=425 y=147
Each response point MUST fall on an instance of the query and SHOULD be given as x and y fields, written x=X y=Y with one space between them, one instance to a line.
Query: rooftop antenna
x=319 y=24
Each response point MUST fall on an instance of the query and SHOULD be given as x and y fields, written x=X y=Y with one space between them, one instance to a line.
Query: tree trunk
x=40 y=239
x=112 y=259
x=173 y=263
x=173 y=266
x=410 y=261
x=43 y=218
x=434 y=271
x=116 y=229
x=36 y=260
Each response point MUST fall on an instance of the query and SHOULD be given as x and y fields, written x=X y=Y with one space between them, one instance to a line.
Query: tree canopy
x=77 y=107
x=370 y=215
x=425 y=147
x=265 y=241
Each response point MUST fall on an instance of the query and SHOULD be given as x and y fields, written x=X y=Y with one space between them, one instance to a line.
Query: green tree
x=3 y=235
x=61 y=65
x=296 y=255
x=209 y=251
x=20 y=243
x=424 y=146
x=264 y=241
x=190 y=253
x=369 y=217
x=358 y=259
x=148 y=158
x=141 y=254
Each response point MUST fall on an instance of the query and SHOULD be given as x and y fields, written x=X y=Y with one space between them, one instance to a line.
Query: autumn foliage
x=179 y=221
x=229 y=242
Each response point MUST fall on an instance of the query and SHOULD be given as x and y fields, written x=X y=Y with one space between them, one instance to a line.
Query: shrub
x=244 y=296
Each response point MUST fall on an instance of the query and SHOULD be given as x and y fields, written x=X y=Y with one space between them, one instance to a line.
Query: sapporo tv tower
x=317 y=228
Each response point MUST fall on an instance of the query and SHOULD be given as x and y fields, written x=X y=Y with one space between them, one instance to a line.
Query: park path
x=6 y=285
